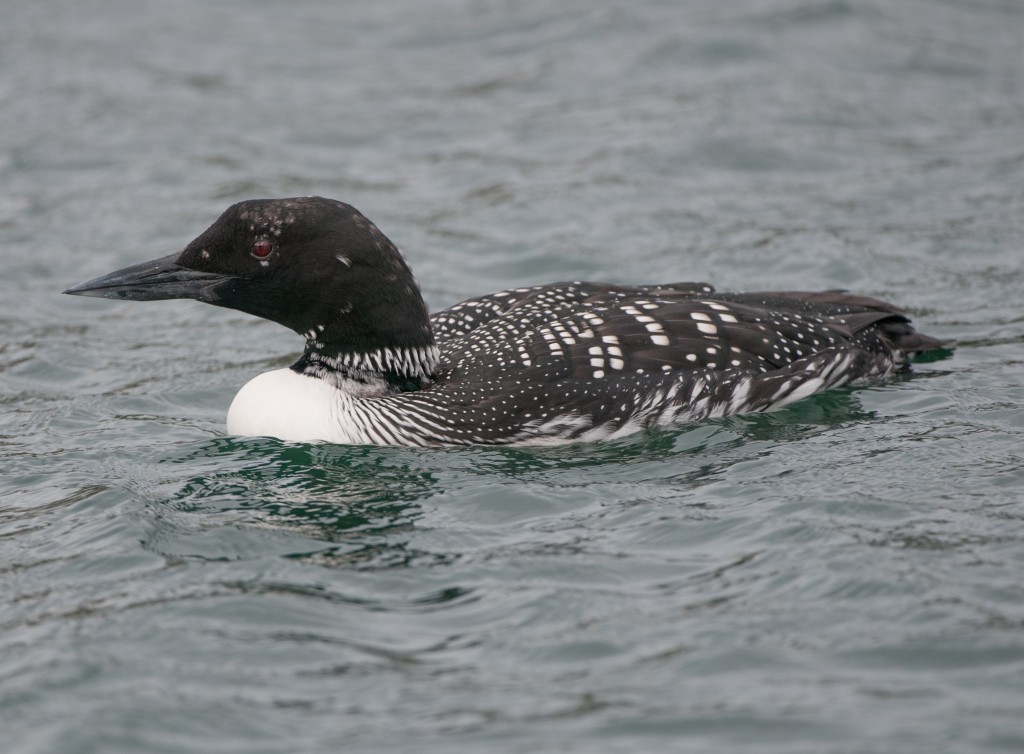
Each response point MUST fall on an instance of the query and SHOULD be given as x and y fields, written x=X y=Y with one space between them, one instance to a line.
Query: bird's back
x=590 y=360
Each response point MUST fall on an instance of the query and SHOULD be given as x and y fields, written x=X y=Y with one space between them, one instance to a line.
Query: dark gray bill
x=152 y=281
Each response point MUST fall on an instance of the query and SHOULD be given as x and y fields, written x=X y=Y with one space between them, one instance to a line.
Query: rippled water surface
x=846 y=575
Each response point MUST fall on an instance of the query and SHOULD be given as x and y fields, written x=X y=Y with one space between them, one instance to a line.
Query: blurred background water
x=846 y=575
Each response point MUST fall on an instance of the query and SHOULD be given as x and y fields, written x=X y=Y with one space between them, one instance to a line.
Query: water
x=841 y=576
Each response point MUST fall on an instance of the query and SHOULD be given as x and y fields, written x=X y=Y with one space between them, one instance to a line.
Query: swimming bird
x=543 y=364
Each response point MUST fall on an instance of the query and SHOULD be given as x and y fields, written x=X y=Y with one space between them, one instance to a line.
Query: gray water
x=846 y=575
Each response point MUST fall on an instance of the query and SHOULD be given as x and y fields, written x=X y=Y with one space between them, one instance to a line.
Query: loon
x=545 y=364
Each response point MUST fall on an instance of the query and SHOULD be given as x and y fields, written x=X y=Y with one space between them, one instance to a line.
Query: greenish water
x=846 y=575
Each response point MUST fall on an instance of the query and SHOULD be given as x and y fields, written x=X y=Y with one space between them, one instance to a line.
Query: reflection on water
x=307 y=481
x=359 y=506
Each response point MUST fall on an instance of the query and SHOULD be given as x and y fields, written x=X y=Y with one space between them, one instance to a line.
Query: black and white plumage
x=546 y=364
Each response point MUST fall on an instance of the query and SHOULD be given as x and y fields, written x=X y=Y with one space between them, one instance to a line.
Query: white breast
x=292 y=407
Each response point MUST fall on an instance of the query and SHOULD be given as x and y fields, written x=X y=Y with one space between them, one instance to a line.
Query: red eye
x=261 y=249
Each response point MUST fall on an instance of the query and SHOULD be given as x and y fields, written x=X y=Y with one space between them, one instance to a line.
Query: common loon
x=538 y=365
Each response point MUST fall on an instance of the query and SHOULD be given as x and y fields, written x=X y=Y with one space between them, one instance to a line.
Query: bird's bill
x=155 y=280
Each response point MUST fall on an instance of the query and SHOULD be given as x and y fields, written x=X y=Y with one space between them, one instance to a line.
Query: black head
x=314 y=265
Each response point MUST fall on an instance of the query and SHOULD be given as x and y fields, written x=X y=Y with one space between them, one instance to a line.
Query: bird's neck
x=381 y=371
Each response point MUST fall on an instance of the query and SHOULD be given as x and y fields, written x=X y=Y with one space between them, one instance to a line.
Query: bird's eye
x=261 y=249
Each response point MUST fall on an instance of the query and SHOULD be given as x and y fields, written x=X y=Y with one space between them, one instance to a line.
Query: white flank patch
x=807 y=388
x=740 y=393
